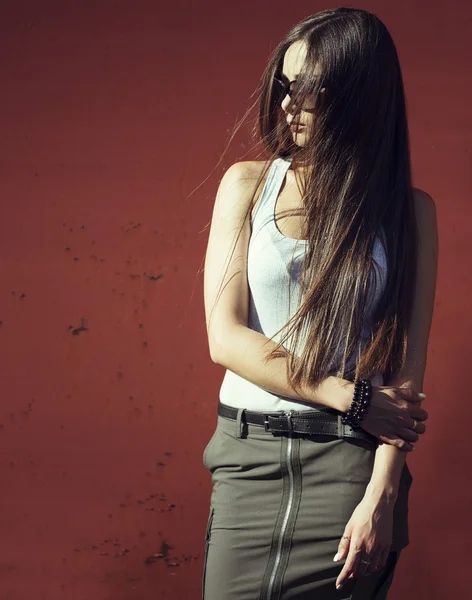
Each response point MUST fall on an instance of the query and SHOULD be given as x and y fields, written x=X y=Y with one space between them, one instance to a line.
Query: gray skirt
x=279 y=505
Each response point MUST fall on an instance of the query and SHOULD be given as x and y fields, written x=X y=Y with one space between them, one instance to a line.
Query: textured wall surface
x=113 y=112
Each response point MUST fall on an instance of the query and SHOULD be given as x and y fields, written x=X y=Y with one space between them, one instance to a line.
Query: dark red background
x=113 y=113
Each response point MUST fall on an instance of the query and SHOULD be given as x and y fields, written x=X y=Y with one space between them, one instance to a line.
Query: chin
x=299 y=139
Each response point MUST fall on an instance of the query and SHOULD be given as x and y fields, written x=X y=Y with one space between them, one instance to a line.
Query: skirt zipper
x=287 y=511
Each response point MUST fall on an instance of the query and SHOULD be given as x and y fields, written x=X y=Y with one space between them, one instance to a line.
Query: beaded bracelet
x=359 y=404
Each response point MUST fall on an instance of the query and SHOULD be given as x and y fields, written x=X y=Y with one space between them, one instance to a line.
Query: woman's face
x=293 y=61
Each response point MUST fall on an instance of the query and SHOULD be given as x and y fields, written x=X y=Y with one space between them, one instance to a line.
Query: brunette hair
x=357 y=186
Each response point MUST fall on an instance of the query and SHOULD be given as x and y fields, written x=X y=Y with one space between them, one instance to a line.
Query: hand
x=392 y=414
x=367 y=537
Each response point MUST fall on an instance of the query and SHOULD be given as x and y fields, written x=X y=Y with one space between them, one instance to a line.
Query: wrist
x=381 y=493
x=334 y=392
x=346 y=395
x=360 y=403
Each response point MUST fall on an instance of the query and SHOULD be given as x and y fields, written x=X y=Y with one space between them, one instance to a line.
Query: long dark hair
x=357 y=185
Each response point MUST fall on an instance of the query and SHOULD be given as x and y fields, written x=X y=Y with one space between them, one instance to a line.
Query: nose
x=287 y=104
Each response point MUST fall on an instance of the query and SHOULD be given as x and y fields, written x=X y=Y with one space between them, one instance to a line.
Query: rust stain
x=77 y=330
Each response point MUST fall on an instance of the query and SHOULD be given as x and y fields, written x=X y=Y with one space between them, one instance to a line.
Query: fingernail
x=421 y=395
x=340 y=585
x=336 y=556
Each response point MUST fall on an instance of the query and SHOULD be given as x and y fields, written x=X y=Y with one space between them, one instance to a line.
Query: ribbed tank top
x=270 y=303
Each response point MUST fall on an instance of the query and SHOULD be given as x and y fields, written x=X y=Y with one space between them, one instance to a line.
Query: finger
x=410 y=394
x=350 y=567
x=408 y=434
x=343 y=548
x=375 y=557
x=383 y=558
x=363 y=565
x=418 y=413
x=399 y=443
x=416 y=426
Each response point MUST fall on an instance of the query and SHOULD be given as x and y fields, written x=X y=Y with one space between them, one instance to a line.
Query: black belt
x=307 y=422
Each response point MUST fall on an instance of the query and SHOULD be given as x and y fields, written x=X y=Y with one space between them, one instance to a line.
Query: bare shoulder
x=245 y=179
x=247 y=169
x=423 y=200
x=425 y=209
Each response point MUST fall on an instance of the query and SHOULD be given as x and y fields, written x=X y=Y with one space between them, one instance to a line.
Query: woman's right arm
x=232 y=343
x=242 y=350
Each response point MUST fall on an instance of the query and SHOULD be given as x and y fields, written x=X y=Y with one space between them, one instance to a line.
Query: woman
x=320 y=277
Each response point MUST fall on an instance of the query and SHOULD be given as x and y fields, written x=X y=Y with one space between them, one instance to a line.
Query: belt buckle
x=266 y=419
x=341 y=428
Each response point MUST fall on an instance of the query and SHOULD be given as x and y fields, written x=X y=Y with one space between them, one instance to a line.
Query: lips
x=296 y=127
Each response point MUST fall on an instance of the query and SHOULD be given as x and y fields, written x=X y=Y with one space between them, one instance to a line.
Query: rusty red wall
x=113 y=112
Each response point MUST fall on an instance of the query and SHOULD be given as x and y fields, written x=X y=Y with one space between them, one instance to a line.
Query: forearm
x=389 y=460
x=385 y=479
x=243 y=351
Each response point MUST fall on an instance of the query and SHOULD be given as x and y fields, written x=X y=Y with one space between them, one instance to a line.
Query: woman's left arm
x=370 y=527
x=389 y=460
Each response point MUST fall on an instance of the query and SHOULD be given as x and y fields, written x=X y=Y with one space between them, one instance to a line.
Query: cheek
x=310 y=122
x=303 y=140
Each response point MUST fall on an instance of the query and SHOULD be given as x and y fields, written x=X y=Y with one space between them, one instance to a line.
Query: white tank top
x=271 y=305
